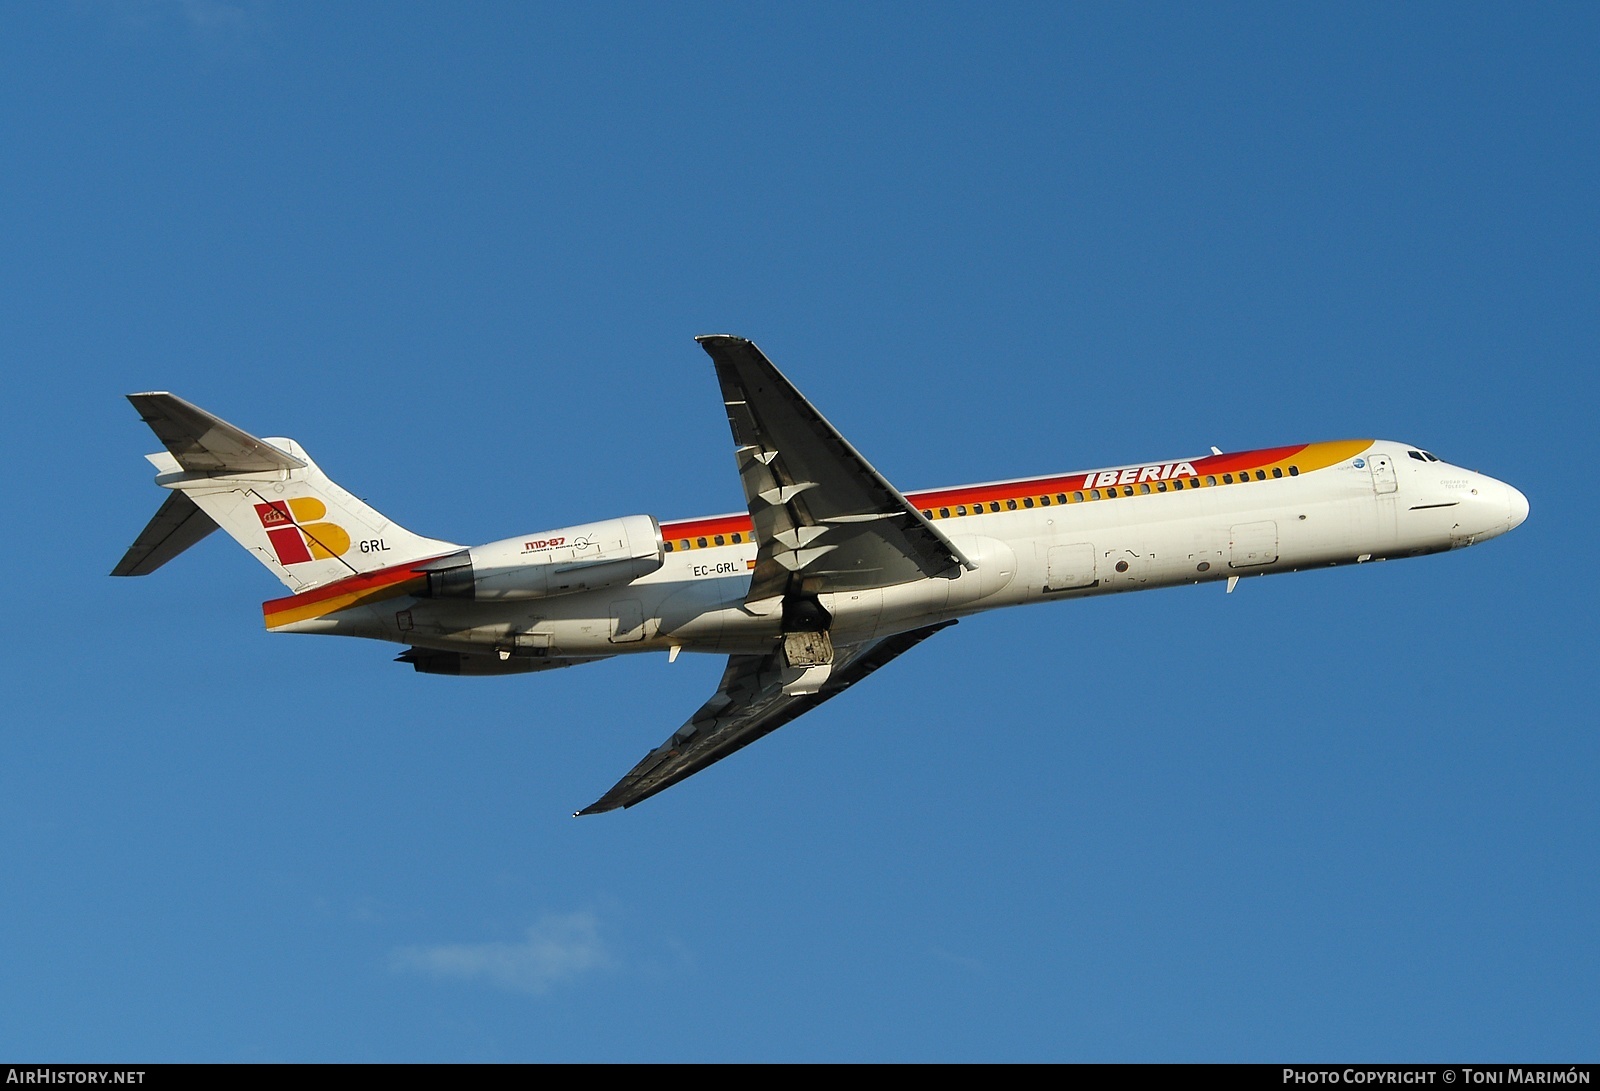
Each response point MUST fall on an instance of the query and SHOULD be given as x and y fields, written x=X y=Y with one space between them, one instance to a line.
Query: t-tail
x=266 y=493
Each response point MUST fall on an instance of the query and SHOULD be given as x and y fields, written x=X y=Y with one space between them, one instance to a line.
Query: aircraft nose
x=1517 y=506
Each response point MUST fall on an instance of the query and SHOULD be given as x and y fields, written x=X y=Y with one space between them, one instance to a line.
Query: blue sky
x=460 y=255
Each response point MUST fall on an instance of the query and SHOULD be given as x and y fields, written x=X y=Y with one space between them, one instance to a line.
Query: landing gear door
x=1383 y=478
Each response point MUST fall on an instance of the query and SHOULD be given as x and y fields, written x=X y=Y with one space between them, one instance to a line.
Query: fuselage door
x=1383 y=477
x=1069 y=566
x=627 y=621
x=1253 y=543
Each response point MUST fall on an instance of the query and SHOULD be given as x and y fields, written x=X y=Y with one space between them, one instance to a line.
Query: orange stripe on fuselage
x=358 y=590
x=1306 y=457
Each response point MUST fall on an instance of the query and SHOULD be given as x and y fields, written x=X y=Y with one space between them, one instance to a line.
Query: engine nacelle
x=559 y=562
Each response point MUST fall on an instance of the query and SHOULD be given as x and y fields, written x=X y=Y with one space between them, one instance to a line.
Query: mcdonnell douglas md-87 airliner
x=829 y=574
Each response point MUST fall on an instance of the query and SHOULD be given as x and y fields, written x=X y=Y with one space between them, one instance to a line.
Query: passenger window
x=1044 y=501
x=1294 y=471
x=1127 y=490
x=1227 y=479
x=1261 y=475
x=944 y=513
x=1061 y=497
x=684 y=544
x=961 y=509
x=720 y=540
x=1177 y=484
x=1145 y=488
x=1011 y=505
x=1027 y=501
x=1277 y=471
x=1161 y=486
x=1211 y=479
x=667 y=546
x=994 y=505
x=927 y=515
x=700 y=543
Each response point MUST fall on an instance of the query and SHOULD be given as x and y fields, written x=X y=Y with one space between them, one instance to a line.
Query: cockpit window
x=1416 y=455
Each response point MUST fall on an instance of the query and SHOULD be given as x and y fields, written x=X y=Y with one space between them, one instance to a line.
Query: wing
x=824 y=519
x=749 y=703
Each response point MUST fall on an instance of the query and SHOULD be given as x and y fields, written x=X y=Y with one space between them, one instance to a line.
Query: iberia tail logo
x=295 y=534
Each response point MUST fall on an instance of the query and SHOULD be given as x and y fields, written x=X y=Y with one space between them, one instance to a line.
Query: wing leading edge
x=749 y=703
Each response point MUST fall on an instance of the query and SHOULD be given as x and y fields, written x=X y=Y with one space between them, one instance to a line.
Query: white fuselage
x=1384 y=501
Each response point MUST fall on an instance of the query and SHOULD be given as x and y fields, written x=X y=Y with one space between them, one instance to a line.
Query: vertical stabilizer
x=267 y=494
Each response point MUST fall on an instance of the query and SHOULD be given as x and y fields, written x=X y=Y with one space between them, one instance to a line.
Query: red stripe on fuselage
x=364 y=581
x=1230 y=462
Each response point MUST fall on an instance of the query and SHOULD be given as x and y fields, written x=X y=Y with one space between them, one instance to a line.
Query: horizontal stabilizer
x=178 y=525
x=203 y=443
